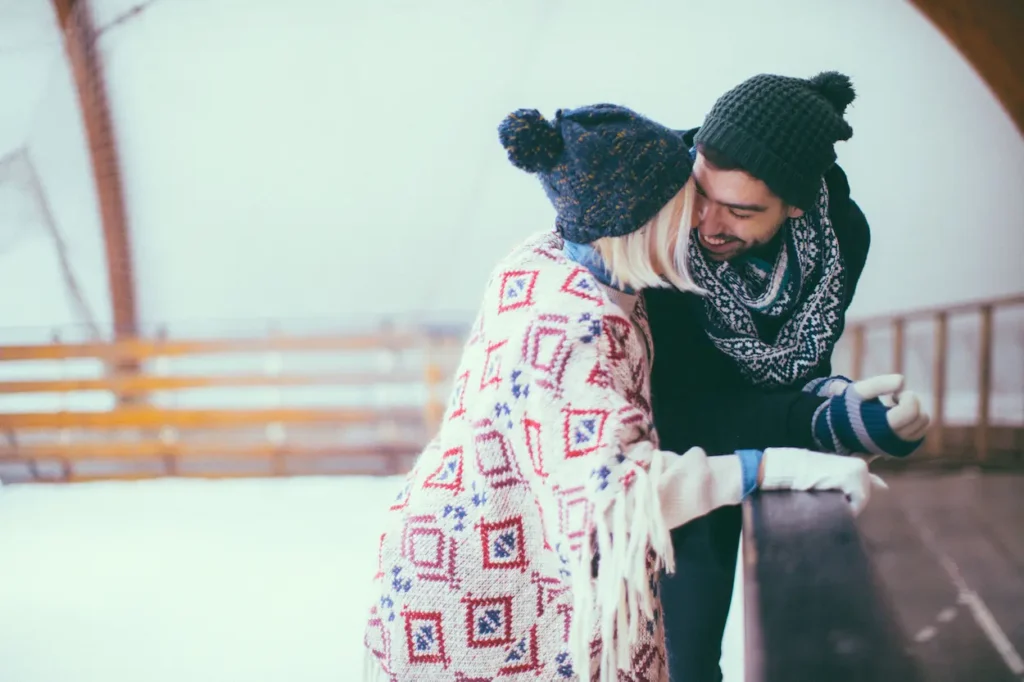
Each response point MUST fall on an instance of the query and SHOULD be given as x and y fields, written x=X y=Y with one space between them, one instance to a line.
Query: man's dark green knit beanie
x=782 y=130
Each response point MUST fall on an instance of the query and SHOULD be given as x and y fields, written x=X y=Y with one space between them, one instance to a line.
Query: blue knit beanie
x=607 y=169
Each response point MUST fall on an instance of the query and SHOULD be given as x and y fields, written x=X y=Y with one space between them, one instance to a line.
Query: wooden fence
x=981 y=440
x=276 y=405
x=365 y=403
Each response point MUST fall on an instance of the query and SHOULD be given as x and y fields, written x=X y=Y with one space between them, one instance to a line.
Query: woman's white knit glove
x=798 y=469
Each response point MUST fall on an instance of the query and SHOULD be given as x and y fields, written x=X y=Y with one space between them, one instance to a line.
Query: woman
x=528 y=536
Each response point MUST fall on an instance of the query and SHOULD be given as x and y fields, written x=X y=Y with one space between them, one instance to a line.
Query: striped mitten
x=855 y=423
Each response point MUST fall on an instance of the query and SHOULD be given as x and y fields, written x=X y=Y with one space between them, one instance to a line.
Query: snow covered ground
x=174 y=580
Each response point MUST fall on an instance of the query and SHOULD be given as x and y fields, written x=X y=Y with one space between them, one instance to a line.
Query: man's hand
x=871 y=416
x=906 y=417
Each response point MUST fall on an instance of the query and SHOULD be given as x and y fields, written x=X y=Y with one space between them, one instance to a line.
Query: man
x=779 y=250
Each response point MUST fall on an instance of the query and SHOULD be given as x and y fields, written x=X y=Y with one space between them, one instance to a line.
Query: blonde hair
x=656 y=255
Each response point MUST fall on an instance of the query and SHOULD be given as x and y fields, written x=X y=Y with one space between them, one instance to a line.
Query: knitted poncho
x=545 y=459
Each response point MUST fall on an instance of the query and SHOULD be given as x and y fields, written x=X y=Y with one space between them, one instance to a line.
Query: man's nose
x=710 y=217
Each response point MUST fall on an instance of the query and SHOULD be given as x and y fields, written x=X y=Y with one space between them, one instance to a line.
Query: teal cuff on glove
x=750 y=464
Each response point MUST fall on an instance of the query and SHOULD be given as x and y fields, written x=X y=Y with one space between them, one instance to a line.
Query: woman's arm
x=615 y=493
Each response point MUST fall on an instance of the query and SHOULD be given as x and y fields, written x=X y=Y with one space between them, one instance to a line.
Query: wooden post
x=939 y=383
x=273 y=363
x=393 y=463
x=76 y=21
x=984 y=382
x=857 y=353
x=898 y=327
x=433 y=410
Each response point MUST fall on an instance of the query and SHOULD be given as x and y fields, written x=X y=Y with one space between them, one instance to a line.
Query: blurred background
x=241 y=244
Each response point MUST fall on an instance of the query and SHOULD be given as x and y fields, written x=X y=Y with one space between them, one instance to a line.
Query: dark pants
x=695 y=600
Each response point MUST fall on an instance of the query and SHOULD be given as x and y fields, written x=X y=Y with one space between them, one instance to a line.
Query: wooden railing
x=366 y=403
x=275 y=405
x=883 y=344
x=814 y=607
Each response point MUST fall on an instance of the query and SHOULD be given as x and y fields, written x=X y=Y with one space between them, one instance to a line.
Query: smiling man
x=738 y=211
x=779 y=249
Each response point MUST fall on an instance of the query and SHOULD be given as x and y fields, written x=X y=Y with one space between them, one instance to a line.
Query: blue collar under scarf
x=587 y=256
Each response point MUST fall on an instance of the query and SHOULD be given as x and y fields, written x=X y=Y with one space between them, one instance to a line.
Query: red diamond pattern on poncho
x=494 y=458
x=543 y=525
x=547 y=349
x=573 y=515
x=636 y=393
x=582 y=284
x=582 y=431
x=488 y=621
x=553 y=255
x=522 y=657
x=477 y=334
x=458 y=402
x=504 y=544
x=599 y=376
x=492 y=365
x=380 y=557
x=645 y=667
x=516 y=290
x=424 y=637
x=617 y=330
x=376 y=624
x=402 y=499
x=448 y=476
x=548 y=591
x=534 y=445
x=429 y=550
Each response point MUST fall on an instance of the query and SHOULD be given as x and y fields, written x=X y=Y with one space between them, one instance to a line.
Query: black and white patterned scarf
x=804 y=289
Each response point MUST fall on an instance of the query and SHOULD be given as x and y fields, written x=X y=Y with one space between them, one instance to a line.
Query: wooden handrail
x=143 y=348
x=132 y=476
x=931 y=311
x=219 y=449
x=148 y=417
x=814 y=608
x=144 y=383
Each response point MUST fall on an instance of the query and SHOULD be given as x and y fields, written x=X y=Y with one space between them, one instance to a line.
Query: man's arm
x=701 y=399
x=735 y=419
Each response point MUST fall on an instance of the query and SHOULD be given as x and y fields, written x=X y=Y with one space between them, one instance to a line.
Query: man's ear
x=794 y=212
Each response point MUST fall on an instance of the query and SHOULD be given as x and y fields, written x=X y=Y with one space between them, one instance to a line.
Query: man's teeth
x=715 y=241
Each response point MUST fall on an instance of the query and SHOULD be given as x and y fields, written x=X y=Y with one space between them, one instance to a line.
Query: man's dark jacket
x=700 y=398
